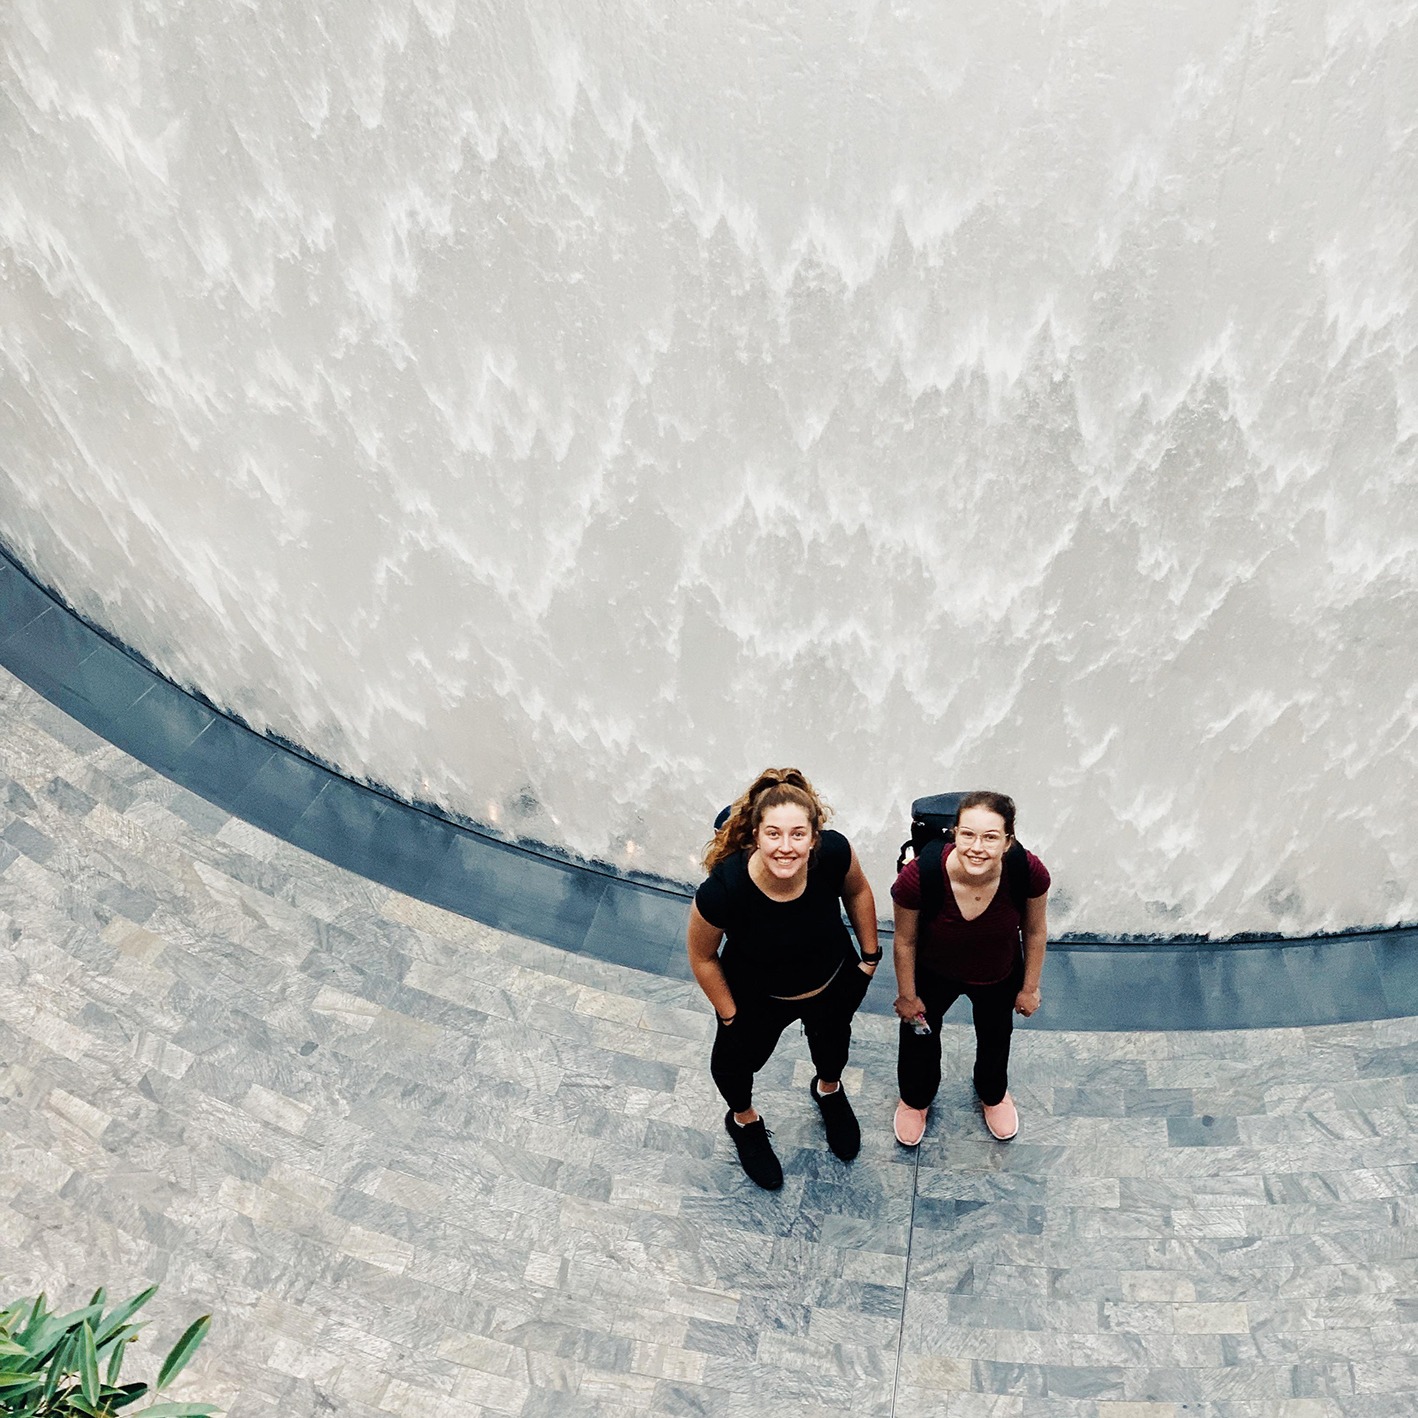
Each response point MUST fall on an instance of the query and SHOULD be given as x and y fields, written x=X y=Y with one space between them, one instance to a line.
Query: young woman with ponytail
x=778 y=880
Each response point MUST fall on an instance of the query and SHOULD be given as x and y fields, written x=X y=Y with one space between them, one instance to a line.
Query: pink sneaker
x=909 y=1125
x=1002 y=1119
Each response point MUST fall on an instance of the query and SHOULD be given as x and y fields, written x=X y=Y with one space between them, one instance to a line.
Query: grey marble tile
x=64 y=796
x=1157 y=1102
x=1204 y=1131
x=733 y=1341
x=24 y=838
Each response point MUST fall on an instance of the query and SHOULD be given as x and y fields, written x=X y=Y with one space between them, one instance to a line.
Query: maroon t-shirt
x=979 y=952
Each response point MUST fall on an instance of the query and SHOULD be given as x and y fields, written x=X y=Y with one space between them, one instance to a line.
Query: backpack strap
x=1016 y=877
x=932 y=862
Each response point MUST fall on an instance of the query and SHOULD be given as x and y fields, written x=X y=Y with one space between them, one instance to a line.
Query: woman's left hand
x=1027 y=1001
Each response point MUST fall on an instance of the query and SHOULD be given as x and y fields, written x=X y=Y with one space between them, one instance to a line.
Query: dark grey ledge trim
x=588 y=907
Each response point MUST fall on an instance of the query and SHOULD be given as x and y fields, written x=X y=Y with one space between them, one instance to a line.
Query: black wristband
x=728 y=1021
x=872 y=959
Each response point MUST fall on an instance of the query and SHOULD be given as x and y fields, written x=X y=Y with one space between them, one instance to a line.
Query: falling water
x=560 y=411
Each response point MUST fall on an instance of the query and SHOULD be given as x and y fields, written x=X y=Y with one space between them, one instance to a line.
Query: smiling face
x=784 y=840
x=980 y=842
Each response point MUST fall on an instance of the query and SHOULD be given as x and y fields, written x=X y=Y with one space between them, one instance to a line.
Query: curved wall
x=557 y=414
x=543 y=895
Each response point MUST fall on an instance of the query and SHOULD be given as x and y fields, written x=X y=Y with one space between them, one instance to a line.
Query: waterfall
x=559 y=412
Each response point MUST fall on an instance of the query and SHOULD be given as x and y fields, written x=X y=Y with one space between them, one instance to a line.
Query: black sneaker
x=756 y=1155
x=844 y=1134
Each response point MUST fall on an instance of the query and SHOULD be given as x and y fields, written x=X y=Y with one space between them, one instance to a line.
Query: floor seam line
x=906 y=1278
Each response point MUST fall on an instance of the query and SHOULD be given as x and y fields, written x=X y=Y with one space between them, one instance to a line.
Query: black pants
x=918 y=1056
x=743 y=1047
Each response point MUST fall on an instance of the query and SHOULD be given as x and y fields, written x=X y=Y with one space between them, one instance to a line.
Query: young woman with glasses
x=979 y=944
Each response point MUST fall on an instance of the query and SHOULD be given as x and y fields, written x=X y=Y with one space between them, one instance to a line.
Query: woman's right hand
x=910 y=1007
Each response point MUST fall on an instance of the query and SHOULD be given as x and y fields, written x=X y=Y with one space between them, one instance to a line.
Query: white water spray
x=574 y=409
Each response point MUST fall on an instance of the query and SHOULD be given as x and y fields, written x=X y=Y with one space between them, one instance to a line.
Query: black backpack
x=932 y=820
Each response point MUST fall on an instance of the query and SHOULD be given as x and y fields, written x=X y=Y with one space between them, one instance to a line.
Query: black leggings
x=918 y=1056
x=743 y=1047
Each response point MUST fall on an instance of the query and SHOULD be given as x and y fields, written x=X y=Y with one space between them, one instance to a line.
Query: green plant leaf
x=99 y=1297
x=178 y=1410
x=37 y=1314
x=46 y=1342
x=115 y=1361
x=123 y=1334
x=54 y=1336
x=119 y=1341
x=76 y=1317
x=35 y=1326
x=19 y=1383
x=122 y=1397
x=182 y=1351
x=124 y=1313
x=88 y=1364
x=29 y=1405
x=58 y=1365
x=116 y=1342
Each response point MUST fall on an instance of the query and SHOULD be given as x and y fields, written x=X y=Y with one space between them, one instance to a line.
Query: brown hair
x=998 y=803
x=772 y=788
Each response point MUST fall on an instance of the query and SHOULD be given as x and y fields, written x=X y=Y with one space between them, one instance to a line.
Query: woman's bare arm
x=861 y=910
x=1036 y=937
x=903 y=955
x=703 y=942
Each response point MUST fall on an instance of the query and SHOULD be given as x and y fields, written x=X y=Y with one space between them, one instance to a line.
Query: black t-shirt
x=781 y=948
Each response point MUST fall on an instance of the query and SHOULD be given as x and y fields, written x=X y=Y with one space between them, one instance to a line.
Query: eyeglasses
x=964 y=837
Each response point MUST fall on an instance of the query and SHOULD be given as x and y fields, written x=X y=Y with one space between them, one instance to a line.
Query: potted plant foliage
x=68 y=1366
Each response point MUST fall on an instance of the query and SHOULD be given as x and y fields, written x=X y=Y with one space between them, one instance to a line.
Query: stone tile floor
x=419 y=1166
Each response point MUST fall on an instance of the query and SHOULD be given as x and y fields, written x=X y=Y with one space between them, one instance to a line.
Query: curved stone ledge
x=588 y=908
